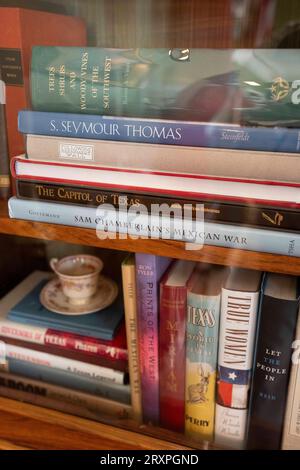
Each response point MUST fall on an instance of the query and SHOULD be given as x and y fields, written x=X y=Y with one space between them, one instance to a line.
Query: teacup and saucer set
x=79 y=288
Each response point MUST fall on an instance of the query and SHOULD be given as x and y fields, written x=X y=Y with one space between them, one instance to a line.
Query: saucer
x=53 y=298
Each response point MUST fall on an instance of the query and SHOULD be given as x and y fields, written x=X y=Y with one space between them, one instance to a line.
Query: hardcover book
x=291 y=430
x=173 y=304
x=20 y=30
x=149 y=270
x=102 y=325
x=67 y=379
x=239 y=308
x=202 y=333
x=229 y=236
x=82 y=369
x=172 y=184
x=188 y=84
x=272 y=361
x=159 y=131
x=130 y=306
x=195 y=160
x=101 y=353
x=253 y=215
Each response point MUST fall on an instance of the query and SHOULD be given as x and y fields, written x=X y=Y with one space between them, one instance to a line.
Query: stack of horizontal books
x=76 y=364
x=115 y=133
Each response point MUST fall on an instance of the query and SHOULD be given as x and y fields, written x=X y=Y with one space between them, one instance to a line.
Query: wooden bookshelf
x=134 y=23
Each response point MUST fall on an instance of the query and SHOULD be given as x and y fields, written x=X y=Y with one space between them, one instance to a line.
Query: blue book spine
x=66 y=379
x=155 y=131
x=228 y=236
x=149 y=269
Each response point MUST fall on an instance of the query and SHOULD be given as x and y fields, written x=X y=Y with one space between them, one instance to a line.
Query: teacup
x=79 y=276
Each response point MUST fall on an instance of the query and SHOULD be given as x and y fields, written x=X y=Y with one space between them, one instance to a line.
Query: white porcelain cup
x=79 y=276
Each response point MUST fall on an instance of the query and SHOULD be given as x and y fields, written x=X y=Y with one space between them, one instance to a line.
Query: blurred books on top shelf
x=20 y=30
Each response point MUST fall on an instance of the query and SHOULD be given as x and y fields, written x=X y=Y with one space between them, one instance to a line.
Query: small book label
x=230 y=426
x=11 y=66
x=76 y=152
x=295 y=413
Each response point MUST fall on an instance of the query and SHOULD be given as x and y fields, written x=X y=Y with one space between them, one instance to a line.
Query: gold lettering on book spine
x=276 y=220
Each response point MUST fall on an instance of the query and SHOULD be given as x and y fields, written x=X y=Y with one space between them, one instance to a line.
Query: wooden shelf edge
x=174 y=249
x=79 y=433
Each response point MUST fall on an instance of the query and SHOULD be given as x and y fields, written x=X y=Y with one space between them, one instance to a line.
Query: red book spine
x=86 y=345
x=21 y=29
x=172 y=356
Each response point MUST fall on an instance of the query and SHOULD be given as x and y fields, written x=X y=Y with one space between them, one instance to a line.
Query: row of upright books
x=211 y=352
x=216 y=351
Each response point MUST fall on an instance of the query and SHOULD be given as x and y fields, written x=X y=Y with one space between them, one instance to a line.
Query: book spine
x=28 y=333
x=223 y=163
x=230 y=425
x=236 y=344
x=276 y=330
x=69 y=380
x=291 y=431
x=60 y=398
x=85 y=345
x=181 y=185
x=228 y=236
x=147 y=309
x=130 y=307
x=70 y=354
x=56 y=362
x=255 y=215
x=67 y=341
x=202 y=328
x=110 y=82
x=173 y=303
x=4 y=157
x=158 y=131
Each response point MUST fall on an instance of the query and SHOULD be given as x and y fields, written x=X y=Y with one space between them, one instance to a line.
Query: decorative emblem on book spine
x=278 y=218
x=180 y=55
x=280 y=89
x=197 y=392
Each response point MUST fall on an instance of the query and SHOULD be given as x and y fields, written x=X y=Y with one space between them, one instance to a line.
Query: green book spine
x=195 y=84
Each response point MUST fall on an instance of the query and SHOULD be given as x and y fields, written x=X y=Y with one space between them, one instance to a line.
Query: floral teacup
x=79 y=276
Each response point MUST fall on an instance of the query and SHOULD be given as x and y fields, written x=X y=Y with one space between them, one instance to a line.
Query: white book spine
x=236 y=343
x=237 y=328
x=56 y=362
x=30 y=333
x=172 y=184
x=230 y=427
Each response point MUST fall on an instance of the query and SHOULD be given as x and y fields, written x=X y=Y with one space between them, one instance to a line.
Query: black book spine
x=4 y=158
x=214 y=211
x=272 y=362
